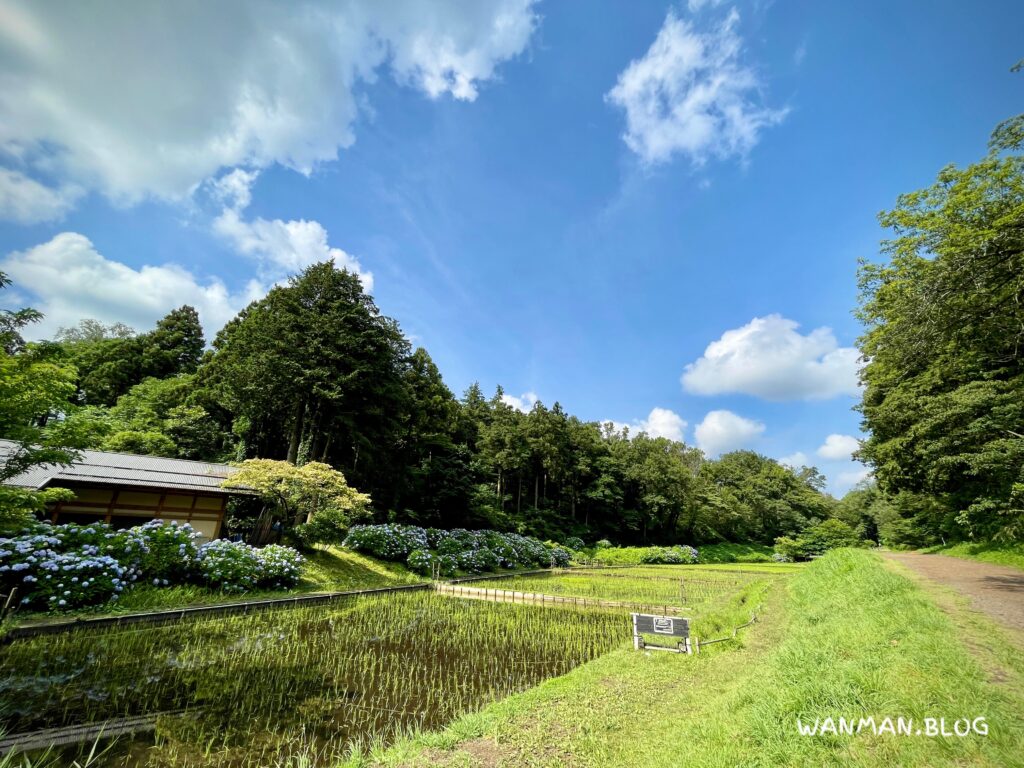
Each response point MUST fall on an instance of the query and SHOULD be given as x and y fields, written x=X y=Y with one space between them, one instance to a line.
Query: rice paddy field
x=697 y=589
x=314 y=685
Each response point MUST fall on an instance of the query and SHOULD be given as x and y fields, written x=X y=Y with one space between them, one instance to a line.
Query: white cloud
x=838 y=447
x=138 y=101
x=26 y=201
x=846 y=480
x=690 y=94
x=724 y=431
x=768 y=358
x=795 y=460
x=660 y=422
x=280 y=247
x=71 y=281
x=523 y=403
x=698 y=5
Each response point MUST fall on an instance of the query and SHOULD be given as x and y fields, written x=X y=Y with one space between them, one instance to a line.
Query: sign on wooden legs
x=669 y=626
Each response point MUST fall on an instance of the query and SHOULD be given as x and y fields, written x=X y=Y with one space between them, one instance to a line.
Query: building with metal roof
x=125 y=489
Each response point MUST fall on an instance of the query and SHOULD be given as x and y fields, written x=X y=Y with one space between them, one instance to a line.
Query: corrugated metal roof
x=102 y=467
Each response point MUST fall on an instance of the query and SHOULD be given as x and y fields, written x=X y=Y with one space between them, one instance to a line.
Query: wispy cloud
x=691 y=95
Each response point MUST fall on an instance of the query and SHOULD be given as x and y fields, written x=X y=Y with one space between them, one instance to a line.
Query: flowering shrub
x=447 y=565
x=477 y=560
x=279 y=566
x=420 y=561
x=435 y=536
x=603 y=544
x=778 y=557
x=678 y=555
x=457 y=549
x=72 y=581
x=230 y=566
x=48 y=576
x=387 y=542
x=166 y=553
x=560 y=557
x=574 y=542
x=60 y=567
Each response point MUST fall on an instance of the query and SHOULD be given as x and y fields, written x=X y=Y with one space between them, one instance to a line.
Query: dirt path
x=996 y=590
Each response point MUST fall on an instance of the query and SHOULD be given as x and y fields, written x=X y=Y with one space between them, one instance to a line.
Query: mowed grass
x=845 y=637
x=986 y=552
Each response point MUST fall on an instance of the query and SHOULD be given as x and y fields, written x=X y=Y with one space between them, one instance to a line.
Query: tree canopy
x=944 y=343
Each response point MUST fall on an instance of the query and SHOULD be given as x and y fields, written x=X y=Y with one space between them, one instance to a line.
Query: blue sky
x=581 y=202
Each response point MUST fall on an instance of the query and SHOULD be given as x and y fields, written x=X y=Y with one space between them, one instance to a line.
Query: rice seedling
x=688 y=587
x=320 y=681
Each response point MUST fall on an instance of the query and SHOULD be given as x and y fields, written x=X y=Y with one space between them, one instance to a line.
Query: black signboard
x=670 y=626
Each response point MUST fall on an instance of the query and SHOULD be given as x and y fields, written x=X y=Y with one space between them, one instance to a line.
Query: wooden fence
x=537 y=598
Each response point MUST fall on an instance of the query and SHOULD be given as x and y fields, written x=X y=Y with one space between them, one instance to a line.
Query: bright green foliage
x=157 y=417
x=944 y=397
x=845 y=637
x=111 y=360
x=313 y=372
x=301 y=494
x=751 y=498
x=817 y=540
x=34 y=389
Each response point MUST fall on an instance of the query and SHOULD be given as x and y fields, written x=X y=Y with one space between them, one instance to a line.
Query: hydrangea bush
x=229 y=566
x=678 y=555
x=453 y=550
x=420 y=561
x=386 y=542
x=61 y=567
x=280 y=567
x=560 y=557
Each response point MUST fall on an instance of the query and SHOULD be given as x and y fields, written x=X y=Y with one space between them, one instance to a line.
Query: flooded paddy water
x=249 y=690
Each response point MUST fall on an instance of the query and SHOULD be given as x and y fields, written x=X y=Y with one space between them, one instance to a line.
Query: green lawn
x=986 y=552
x=846 y=636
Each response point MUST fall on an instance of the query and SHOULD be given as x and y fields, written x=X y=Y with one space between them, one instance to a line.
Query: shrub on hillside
x=60 y=567
x=817 y=540
x=469 y=551
x=229 y=566
x=386 y=542
x=420 y=561
x=280 y=567
x=560 y=557
x=678 y=555
x=166 y=552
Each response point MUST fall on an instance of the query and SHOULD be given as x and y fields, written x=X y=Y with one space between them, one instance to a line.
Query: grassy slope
x=986 y=552
x=326 y=570
x=847 y=636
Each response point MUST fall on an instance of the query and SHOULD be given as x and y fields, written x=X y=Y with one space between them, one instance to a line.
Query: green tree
x=34 y=390
x=302 y=494
x=112 y=359
x=944 y=318
x=314 y=372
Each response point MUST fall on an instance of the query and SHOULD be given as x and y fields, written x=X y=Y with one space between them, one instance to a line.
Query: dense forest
x=314 y=372
x=943 y=403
